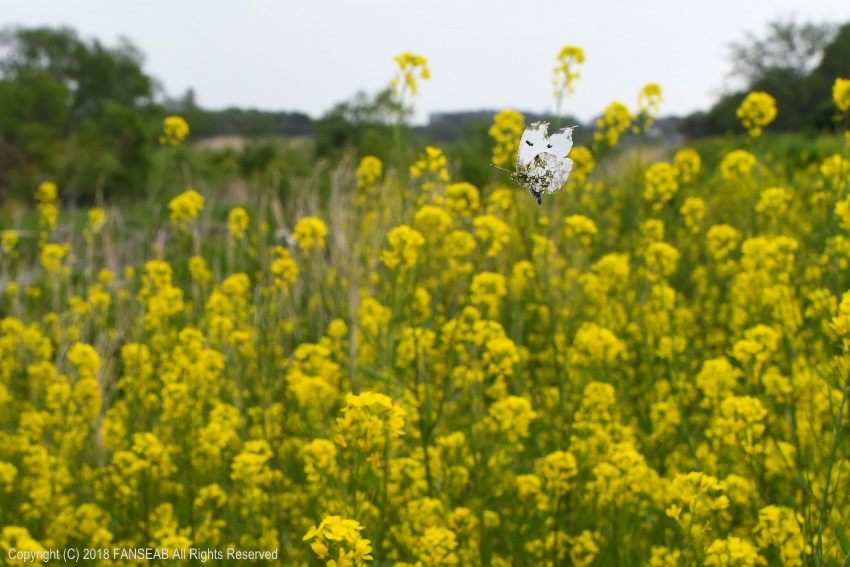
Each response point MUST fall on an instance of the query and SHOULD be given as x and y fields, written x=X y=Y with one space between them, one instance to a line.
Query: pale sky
x=307 y=55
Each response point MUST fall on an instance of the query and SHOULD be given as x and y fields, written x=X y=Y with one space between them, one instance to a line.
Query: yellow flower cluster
x=688 y=164
x=310 y=233
x=661 y=184
x=237 y=222
x=368 y=172
x=615 y=121
x=649 y=104
x=737 y=165
x=431 y=167
x=506 y=131
x=841 y=94
x=46 y=196
x=565 y=74
x=411 y=67
x=338 y=541
x=185 y=208
x=175 y=129
x=757 y=111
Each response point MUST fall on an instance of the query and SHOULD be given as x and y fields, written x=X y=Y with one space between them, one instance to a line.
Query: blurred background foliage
x=88 y=116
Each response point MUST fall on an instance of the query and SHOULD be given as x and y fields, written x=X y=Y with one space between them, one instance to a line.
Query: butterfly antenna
x=502 y=168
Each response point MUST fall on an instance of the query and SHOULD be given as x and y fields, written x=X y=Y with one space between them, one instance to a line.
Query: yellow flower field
x=653 y=368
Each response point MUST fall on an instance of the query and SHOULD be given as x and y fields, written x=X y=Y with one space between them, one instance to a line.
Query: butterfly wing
x=532 y=143
x=561 y=142
x=558 y=169
x=546 y=173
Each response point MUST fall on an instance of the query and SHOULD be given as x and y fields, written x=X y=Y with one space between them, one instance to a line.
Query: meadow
x=652 y=368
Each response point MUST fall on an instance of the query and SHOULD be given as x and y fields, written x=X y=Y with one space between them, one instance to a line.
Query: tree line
x=88 y=116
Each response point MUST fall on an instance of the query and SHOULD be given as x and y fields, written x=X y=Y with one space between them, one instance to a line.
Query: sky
x=308 y=55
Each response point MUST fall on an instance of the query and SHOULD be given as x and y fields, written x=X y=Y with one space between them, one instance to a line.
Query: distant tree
x=793 y=48
x=73 y=111
x=364 y=121
x=34 y=119
x=94 y=74
x=795 y=63
x=110 y=156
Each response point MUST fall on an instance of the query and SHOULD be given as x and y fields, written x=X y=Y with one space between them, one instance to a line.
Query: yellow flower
x=841 y=93
x=462 y=198
x=199 y=270
x=521 y=275
x=581 y=228
x=558 y=470
x=757 y=111
x=97 y=218
x=340 y=538
x=237 y=222
x=8 y=242
x=584 y=548
x=284 y=267
x=47 y=197
x=175 y=129
x=583 y=165
x=565 y=75
x=593 y=343
x=86 y=359
x=512 y=417
x=185 y=208
x=774 y=201
x=737 y=164
x=52 y=256
x=433 y=222
x=694 y=211
x=410 y=68
x=492 y=231
x=661 y=184
x=780 y=527
x=405 y=243
x=310 y=233
x=836 y=170
x=732 y=552
x=488 y=289
x=366 y=421
x=368 y=172
x=47 y=193
x=649 y=103
x=506 y=131
x=432 y=166
x=319 y=459
x=616 y=119
x=688 y=164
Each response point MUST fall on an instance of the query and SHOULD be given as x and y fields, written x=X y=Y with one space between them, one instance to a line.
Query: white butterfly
x=542 y=164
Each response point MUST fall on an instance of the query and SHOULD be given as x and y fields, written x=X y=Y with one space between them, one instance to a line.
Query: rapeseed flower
x=688 y=164
x=841 y=94
x=506 y=131
x=615 y=121
x=310 y=233
x=185 y=208
x=757 y=111
x=175 y=129
x=737 y=165
x=565 y=74
x=411 y=67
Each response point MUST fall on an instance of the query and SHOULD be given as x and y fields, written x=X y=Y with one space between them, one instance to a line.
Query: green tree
x=34 y=119
x=95 y=74
x=110 y=156
x=797 y=64
x=71 y=110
